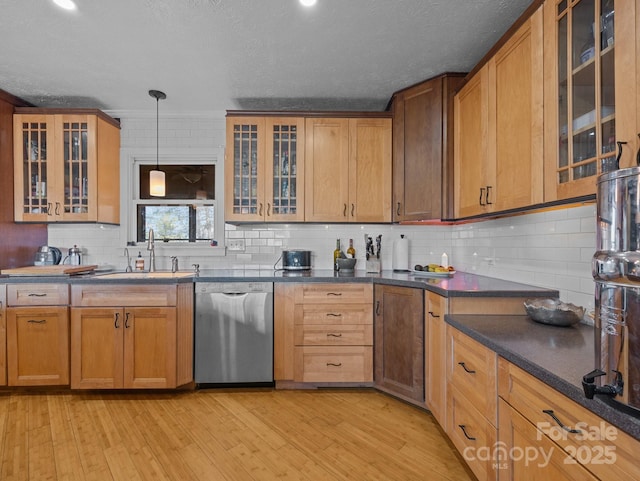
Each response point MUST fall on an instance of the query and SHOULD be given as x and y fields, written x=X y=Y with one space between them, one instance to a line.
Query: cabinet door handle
x=353 y=207
x=331 y=334
x=268 y=209
x=481 y=195
x=344 y=211
x=57 y=208
x=336 y=364
x=260 y=211
x=487 y=197
x=331 y=314
x=49 y=208
x=334 y=293
x=398 y=209
x=555 y=418
x=37 y=294
x=377 y=308
x=37 y=321
x=638 y=154
x=126 y=320
x=464 y=430
x=434 y=315
x=117 y=318
x=470 y=371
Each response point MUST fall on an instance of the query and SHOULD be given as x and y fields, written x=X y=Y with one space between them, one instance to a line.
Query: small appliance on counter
x=47 y=256
x=74 y=257
x=296 y=260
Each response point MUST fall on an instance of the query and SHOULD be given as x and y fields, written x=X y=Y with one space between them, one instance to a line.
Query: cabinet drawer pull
x=331 y=334
x=481 y=195
x=353 y=206
x=334 y=293
x=470 y=371
x=336 y=364
x=555 y=418
x=36 y=294
x=115 y=322
x=344 y=211
x=464 y=430
x=398 y=209
x=331 y=314
x=126 y=320
x=487 y=197
x=434 y=315
x=38 y=321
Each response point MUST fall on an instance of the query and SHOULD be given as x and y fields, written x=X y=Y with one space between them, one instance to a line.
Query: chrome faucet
x=126 y=253
x=152 y=252
x=174 y=264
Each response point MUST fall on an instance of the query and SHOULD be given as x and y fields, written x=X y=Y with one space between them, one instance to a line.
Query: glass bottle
x=351 y=252
x=336 y=255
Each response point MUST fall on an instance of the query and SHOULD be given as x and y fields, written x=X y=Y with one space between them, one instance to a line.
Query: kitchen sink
x=145 y=275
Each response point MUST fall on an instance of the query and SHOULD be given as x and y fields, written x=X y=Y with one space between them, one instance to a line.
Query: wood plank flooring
x=221 y=435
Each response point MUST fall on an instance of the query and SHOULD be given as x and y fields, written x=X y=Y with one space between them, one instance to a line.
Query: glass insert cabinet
x=264 y=169
x=584 y=123
x=56 y=170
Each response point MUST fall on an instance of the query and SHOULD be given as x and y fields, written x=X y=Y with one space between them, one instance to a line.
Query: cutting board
x=59 y=270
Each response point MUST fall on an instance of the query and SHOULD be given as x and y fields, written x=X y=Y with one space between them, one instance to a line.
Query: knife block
x=373 y=266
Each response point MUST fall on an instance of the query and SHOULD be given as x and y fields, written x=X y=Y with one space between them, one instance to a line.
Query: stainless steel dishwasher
x=234 y=333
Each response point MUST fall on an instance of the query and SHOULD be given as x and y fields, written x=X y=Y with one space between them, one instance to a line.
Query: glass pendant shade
x=156 y=183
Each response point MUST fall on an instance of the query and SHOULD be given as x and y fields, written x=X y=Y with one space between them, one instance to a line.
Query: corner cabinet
x=264 y=169
x=66 y=166
x=131 y=336
x=590 y=92
x=348 y=164
x=423 y=149
x=498 y=134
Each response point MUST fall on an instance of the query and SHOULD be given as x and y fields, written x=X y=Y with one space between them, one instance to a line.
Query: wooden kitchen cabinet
x=498 y=137
x=323 y=333
x=264 y=169
x=348 y=170
x=37 y=320
x=598 y=451
x=66 y=166
x=591 y=88
x=472 y=400
x=3 y=335
x=131 y=336
x=399 y=338
x=423 y=149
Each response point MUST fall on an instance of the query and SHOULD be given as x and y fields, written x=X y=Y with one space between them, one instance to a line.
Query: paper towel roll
x=401 y=254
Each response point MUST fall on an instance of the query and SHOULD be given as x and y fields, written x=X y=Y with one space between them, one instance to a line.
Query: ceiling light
x=66 y=4
x=308 y=3
x=156 y=177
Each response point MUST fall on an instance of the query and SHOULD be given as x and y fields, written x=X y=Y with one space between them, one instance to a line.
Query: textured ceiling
x=210 y=55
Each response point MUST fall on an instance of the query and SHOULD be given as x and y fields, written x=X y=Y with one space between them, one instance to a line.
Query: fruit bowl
x=553 y=312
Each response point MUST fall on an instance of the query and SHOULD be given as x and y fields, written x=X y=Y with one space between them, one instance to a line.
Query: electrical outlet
x=235 y=244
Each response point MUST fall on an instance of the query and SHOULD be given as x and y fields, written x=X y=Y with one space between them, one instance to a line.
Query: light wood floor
x=221 y=435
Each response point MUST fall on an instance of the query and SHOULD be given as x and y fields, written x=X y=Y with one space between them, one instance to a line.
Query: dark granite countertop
x=558 y=356
x=462 y=284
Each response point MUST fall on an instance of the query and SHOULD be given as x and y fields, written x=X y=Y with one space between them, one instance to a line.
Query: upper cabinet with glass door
x=66 y=166
x=264 y=169
x=580 y=94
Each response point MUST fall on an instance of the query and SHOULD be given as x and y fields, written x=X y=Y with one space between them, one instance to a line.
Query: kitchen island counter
x=557 y=356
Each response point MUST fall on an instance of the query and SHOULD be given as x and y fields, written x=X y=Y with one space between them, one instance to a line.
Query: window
x=187 y=214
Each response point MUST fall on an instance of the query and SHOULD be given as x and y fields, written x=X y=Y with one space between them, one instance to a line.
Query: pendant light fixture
x=157 y=177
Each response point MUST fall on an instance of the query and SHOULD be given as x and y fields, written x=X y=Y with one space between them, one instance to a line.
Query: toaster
x=296 y=260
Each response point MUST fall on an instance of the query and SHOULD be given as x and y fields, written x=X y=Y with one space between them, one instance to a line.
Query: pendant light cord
x=157 y=133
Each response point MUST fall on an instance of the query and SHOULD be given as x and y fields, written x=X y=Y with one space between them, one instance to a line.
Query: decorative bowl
x=553 y=312
x=346 y=265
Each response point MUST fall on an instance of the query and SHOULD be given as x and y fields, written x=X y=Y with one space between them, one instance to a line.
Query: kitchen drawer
x=333 y=314
x=37 y=294
x=332 y=293
x=471 y=433
x=595 y=446
x=123 y=295
x=333 y=364
x=344 y=335
x=471 y=368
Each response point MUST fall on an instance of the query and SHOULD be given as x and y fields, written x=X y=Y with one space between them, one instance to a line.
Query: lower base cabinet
x=131 y=336
x=399 y=342
x=38 y=346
